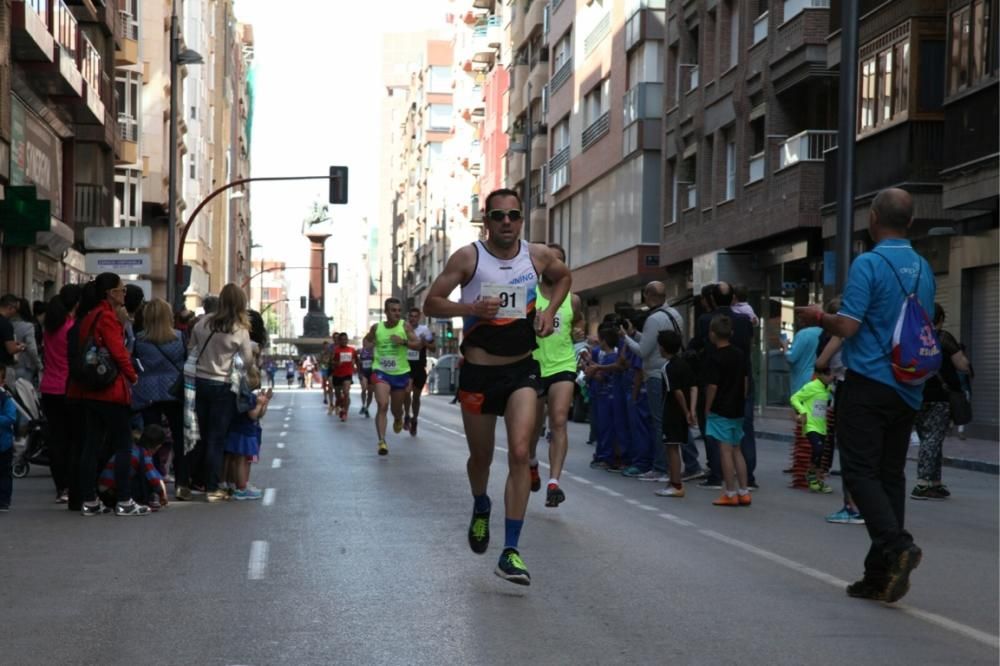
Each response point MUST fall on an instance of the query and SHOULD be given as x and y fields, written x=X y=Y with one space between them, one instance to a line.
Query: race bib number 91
x=513 y=299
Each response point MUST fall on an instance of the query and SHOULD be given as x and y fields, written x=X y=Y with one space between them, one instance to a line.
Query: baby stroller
x=29 y=439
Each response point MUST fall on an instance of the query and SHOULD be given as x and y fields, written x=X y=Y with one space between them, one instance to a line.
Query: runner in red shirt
x=342 y=363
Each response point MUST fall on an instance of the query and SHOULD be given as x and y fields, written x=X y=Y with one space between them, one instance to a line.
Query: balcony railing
x=760 y=28
x=128 y=128
x=88 y=202
x=756 y=167
x=807 y=146
x=90 y=64
x=644 y=100
x=65 y=28
x=561 y=76
x=128 y=26
x=559 y=170
x=795 y=7
x=596 y=130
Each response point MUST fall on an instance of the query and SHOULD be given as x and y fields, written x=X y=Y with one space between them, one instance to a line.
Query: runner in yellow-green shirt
x=557 y=359
x=390 y=367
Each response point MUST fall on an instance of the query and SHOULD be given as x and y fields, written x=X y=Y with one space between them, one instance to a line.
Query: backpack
x=915 y=351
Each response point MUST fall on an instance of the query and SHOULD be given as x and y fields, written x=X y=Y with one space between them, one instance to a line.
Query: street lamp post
x=177 y=57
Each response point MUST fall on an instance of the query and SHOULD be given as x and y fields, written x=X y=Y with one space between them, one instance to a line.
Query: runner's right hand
x=486 y=308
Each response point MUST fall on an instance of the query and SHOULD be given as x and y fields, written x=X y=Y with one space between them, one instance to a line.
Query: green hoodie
x=813 y=400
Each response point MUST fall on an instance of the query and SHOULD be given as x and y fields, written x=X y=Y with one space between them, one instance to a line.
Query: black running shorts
x=419 y=377
x=485 y=389
x=566 y=376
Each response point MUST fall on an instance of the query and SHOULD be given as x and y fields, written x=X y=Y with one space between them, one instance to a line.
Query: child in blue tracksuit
x=604 y=370
x=8 y=417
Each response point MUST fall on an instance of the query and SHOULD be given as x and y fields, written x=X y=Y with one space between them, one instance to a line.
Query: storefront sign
x=123 y=264
x=35 y=156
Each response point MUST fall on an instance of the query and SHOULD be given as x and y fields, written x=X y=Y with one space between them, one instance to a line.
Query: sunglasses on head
x=497 y=215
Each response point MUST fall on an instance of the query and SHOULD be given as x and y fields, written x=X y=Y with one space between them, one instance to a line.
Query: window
x=596 y=103
x=884 y=83
x=435 y=154
x=127 y=88
x=440 y=79
x=730 y=166
x=688 y=184
x=969 y=55
x=440 y=116
x=194 y=112
x=192 y=168
x=127 y=182
x=734 y=33
x=560 y=136
x=562 y=51
x=645 y=63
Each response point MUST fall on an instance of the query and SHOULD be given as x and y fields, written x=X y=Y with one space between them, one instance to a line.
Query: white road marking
x=633 y=502
x=281 y=445
x=276 y=463
x=674 y=519
x=258 y=560
x=646 y=507
x=269 y=494
x=284 y=433
x=580 y=479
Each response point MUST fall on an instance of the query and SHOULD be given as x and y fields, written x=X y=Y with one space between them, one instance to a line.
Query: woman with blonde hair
x=215 y=341
x=159 y=393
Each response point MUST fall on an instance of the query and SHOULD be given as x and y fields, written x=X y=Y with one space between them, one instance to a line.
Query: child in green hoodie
x=811 y=403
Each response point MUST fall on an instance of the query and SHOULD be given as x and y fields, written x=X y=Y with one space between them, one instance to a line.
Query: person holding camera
x=650 y=463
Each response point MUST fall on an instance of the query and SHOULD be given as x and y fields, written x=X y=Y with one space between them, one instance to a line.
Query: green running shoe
x=511 y=567
x=479 y=532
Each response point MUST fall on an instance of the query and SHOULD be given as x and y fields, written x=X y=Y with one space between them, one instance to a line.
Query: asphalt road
x=356 y=559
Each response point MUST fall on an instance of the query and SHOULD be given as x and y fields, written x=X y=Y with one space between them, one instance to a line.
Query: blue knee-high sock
x=481 y=503
x=512 y=532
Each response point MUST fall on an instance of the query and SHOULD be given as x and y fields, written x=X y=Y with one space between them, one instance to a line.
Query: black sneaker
x=132 y=509
x=867 y=588
x=511 y=567
x=899 y=572
x=92 y=509
x=536 y=480
x=927 y=493
x=479 y=532
x=554 y=496
x=709 y=484
x=942 y=490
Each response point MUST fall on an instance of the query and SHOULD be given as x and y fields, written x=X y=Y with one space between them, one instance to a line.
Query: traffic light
x=331 y=272
x=449 y=331
x=303 y=302
x=338 y=185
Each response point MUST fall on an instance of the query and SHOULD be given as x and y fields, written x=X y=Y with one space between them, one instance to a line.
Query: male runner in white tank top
x=499 y=376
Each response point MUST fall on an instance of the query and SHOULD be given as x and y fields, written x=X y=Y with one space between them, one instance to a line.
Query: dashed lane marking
x=258 y=560
x=281 y=445
x=269 y=494
x=276 y=463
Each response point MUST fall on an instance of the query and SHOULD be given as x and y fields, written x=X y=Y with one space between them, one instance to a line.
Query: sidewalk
x=978 y=455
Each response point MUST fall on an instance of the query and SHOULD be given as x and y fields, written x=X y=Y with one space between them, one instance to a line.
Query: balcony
x=534 y=18
x=642 y=101
x=515 y=168
x=90 y=203
x=537 y=78
x=90 y=68
x=127 y=53
x=482 y=52
x=647 y=21
x=807 y=146
x=517 y=34
x=756 y=168
x=29 y=36
x=910 y=152
x=596 y=130
x=800 y=48
x=539 y=149
x=494 y=32
x=760 y=28
x=128 y=135
x=559 y=170
x=58 y=75
x=561 y=76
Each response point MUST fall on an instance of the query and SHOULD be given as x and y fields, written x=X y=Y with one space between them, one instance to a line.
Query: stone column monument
x=317 y=228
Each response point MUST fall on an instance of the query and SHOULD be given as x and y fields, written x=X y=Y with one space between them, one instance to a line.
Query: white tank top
x=514 y=281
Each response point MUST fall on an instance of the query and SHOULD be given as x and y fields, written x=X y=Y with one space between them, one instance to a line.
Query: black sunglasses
x=497 y=215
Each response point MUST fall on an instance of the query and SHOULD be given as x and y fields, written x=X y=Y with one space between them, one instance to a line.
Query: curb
x=947 y=461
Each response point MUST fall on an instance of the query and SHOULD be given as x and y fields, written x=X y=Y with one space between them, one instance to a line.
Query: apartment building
x=751 y=108
x=927 y=121
x=58 y=137
x=269 y=296
x=601 y=105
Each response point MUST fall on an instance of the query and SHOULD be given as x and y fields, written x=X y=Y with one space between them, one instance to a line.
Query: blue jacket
x=8 y=417
x=161 y=366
